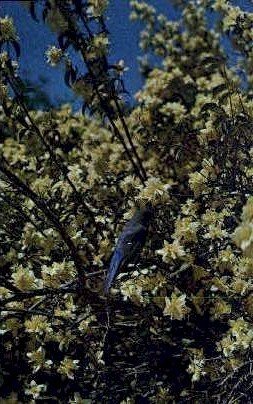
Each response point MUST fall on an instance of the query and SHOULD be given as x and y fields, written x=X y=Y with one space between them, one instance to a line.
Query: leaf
x=16 y=47
x=32 y=11
x=78 y=5
x=23 y=122
x=67 y=78
x=44 y=14
x=70 y=76
x=211 y=106
x=7 y=110
x=84 y=108
x=214 y=60
x=64 y=40
x=73 y=75
x=21 y=133
x=46 y=10
x=224 y=97
x=218 y=89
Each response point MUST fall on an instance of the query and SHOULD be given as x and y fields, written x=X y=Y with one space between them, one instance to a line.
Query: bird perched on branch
x=130 y=243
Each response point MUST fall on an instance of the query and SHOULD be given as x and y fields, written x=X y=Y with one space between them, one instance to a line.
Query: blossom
x=207 y=134
x=243 y=237
x=3 y=92
x=209 y=217
x=97 y=7
x=226 y=345
x=57 y=273
x=198 y=182
x=132 y=290
x=175 y=109
x=221 y=5
x=42 y=185
x=186 y=230
x=84 y=325
x=69 y=310
x=143 y=9
x=63 y=187
x=238 y=338
x=68 y=367
x=14 y=151
x=37 y=359
x=241 y=286
x=77 y=399
x=190 y=208
x=64 y=338
x=7 y=29
x=98 y=46
x=244 y=267
x=175 y=306
x=196 y=367
x=220 y=308
x=54 y=55
x=215 y=231
x=4 y=293
x=230 y=18
x=38 y=325
x=75 y=175
x=24 y=278
x=129 y=183
x=154 y=191
x=225 y=260
x=32 y=237
x=35 y=389
x=171 y=251
x=247 y=211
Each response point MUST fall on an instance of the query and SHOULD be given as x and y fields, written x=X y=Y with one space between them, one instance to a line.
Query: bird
x=129 y=244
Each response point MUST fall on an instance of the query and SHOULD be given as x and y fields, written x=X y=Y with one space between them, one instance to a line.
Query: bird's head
x=145 y=214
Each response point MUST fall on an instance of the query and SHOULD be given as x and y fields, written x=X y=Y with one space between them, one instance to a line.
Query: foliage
x=177 y=327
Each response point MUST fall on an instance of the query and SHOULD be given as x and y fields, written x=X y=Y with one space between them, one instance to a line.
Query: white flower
x=54 y=55
x=35 y=389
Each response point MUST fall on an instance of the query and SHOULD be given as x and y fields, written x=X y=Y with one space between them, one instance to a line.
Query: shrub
x=177 y=327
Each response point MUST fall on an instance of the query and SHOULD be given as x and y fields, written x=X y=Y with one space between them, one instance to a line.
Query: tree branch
x=41 y=204
x=56 y=159
x=79 y=44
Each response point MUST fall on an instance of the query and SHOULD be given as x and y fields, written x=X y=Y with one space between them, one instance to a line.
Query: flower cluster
x=7 y=29
x=243 y=235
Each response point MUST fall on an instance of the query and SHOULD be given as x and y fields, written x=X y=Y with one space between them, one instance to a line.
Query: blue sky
x=36 y=37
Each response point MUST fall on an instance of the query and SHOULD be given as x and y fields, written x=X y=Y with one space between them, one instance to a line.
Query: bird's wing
x=116 y=261
x=131 y=240
x=127 y=249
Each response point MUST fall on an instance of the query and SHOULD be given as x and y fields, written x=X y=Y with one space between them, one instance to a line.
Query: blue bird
x=130 y=243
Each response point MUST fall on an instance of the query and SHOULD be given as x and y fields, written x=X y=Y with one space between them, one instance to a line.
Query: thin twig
x=79 y=44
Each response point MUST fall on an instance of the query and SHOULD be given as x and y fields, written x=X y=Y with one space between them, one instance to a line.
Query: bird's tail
x=114 y=266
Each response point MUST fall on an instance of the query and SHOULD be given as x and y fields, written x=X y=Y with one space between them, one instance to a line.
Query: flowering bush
x=177 y=327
